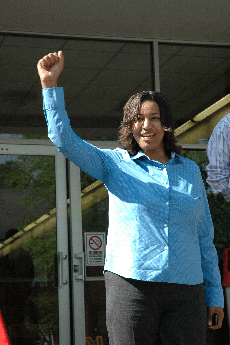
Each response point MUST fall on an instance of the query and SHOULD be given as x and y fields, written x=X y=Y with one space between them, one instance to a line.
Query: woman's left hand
x=220 y=312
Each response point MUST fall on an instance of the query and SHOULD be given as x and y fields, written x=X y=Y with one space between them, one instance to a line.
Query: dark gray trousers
x=149 y=313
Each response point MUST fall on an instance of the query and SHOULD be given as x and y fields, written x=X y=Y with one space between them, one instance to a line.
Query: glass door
x=34 y=279
x=89 y=223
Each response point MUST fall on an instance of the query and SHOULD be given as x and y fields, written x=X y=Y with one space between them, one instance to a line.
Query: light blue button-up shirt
x=160 y=228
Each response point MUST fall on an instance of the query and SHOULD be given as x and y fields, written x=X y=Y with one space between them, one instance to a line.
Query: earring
x=167 y=129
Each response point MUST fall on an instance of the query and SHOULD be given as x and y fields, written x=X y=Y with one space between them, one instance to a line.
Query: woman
x=160 y=240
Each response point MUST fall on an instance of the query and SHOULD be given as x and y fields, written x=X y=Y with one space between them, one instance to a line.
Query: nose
x=147 y=124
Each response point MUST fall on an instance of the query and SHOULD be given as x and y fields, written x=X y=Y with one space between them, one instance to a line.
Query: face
x=148 y=131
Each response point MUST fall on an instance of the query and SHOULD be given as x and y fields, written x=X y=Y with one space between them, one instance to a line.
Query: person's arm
x=218 y=151
x=87 y=157
x=209 y=261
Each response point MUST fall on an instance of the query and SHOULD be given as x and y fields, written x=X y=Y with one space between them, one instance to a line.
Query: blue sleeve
x=209 y=259
x=92 y=160
x=218 y=151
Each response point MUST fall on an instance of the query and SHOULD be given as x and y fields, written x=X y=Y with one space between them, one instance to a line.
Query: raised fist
x=49 y=69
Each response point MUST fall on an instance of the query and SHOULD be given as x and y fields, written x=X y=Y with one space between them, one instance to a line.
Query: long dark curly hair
x=131 y=111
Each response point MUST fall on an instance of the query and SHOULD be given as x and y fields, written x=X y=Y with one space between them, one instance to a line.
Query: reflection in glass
x=28 y=293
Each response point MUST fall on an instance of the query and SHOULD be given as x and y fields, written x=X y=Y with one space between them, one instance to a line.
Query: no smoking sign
x=95 y=248
x=95 y=242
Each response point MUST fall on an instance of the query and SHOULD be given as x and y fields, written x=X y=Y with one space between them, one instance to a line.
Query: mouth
x=147 y=136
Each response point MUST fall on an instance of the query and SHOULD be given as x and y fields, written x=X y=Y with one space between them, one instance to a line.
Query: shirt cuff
x=214 y=296
x=226 y=194
x=53 y=98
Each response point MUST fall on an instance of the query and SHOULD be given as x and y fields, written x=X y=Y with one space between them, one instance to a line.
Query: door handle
x=79 y=268
x=60 y=258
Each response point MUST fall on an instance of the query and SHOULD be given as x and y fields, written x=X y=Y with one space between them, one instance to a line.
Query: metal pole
x=156 y=65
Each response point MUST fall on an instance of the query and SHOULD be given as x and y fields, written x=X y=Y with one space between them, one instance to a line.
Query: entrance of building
x=53 y=229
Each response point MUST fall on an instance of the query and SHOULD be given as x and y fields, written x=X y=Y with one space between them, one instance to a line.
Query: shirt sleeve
x=87 y=157
x=218 y=151
x=209 y=258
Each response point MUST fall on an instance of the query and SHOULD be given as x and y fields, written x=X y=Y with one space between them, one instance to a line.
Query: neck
x=157 y=156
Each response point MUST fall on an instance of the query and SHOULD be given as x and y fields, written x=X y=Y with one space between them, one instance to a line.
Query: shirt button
x=166 y=203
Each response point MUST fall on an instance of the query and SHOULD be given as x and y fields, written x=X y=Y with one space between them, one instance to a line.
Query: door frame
x=23 y=147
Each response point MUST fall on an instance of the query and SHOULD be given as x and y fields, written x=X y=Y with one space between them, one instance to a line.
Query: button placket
x=165 y=174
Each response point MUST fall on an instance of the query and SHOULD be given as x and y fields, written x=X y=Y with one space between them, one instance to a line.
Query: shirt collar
x=140 y=154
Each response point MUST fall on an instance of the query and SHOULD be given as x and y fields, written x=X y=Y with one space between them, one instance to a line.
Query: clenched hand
x=49 y=69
